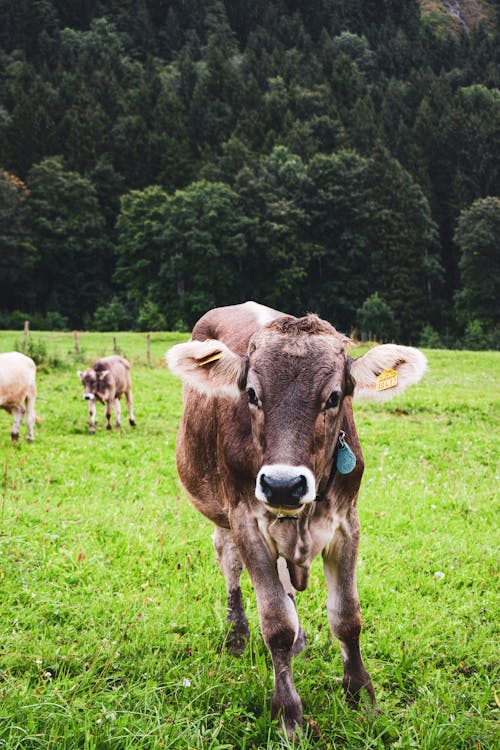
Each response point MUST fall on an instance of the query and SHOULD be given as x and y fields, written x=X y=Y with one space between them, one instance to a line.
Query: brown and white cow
x=267 y=449
x=18 y=390
x=106 y=381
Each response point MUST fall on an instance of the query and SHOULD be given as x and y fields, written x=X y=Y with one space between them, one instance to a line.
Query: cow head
x=296 y=377
x=97 y=384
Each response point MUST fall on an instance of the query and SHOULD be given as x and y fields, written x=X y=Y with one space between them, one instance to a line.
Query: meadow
x=112 y=622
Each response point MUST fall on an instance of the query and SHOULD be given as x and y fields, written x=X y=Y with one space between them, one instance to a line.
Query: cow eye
x=252 y=397
x=332 y=400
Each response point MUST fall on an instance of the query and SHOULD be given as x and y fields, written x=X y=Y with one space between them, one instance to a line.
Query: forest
x=161 y=157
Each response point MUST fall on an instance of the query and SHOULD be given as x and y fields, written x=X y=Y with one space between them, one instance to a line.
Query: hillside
x=458 y=15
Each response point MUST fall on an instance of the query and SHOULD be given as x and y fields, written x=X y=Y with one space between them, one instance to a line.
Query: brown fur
x=106 y=381
x=263 y=404
x=18 y=390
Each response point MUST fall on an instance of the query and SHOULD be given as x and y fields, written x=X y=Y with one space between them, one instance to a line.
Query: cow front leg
x=344 y=615
x=92 y=416
x=284 y=575
x=130 y=407
x=109 y=407
x=278 y=620
x=18 y=417
x=118 y=413
x=231 y=565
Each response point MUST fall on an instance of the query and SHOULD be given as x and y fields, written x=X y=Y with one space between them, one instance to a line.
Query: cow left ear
x=209 y=367
x=386 y=370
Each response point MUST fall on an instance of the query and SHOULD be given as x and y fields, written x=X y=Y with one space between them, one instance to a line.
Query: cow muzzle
x=88 y=396
x=285 y=486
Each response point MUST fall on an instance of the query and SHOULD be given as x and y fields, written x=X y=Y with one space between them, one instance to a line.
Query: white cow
x=18 y=390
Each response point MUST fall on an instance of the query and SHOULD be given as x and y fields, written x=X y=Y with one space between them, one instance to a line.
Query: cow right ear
x=80 y=374
x=209 y=367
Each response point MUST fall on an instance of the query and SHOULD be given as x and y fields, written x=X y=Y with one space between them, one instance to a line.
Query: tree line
x=160 y=158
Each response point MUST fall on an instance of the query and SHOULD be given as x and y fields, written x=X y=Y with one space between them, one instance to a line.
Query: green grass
x=113 y=608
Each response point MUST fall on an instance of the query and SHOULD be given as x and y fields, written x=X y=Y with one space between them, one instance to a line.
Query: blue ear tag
x=346 y=460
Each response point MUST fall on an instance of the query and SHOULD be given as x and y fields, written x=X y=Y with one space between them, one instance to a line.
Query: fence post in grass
x=149 y=348
x=115 y=348
x=77 y=344
x=26 y=334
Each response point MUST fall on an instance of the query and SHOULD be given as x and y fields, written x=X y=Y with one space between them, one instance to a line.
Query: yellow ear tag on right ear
x=209 y=358
x=386 y=379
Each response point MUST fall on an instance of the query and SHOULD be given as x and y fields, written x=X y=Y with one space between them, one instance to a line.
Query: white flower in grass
x=438 y=575
x=186 y=682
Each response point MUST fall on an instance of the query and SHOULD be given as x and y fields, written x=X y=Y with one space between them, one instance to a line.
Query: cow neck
x=333 y=471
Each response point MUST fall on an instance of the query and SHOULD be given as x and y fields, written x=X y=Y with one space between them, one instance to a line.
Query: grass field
x=113 y=609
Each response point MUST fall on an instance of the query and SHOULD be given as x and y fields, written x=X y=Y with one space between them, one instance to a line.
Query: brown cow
x=106 y=381
x=18 y=387
x=267 y=449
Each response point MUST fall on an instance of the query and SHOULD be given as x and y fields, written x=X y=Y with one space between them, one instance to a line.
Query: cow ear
x=80 y=374
x=209 y=367
x=386 y=370
x=101 y=374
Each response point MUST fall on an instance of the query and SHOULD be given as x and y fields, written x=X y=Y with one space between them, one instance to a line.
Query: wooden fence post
x=77 y=345
x=149 y=348
x=115 y=348
x=26 y=334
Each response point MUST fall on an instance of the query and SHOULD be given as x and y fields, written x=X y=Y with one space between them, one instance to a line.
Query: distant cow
x=106 y=381
x=18 y=387
x=267 y=449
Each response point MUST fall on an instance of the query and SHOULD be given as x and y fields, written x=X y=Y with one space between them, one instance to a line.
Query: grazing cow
x=18 y=387
x=267 y=449
x=106 y=381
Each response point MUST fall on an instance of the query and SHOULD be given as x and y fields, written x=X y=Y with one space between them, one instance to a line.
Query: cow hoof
x=354 y=684
x=30 y=439
x=14 y=437
x=91 y=432
x=108 y=427
x=132 y=422
x=290 y=719
x=236 y=642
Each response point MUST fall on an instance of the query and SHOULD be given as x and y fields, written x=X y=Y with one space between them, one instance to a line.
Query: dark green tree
x=17 y=256
x=139 y=248
x=66 y=227
x=203 y=252
x=403 y=264
x=340 y=212
x=272 y=194
x=376 y=320
x=477 y=236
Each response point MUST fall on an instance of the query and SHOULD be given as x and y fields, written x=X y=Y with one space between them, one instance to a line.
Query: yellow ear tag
x=386 y=379
x=209 y=358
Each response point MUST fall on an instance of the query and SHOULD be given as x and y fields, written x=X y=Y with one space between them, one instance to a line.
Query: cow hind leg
x=118 y=413
x=344 y=616
x=18 y=417
x=30 y=416
x=130 y=407
x=231 y=565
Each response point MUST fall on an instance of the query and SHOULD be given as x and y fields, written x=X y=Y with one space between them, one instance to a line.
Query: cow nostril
x=286 y=491
x=298 y=487
x=266 y=486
